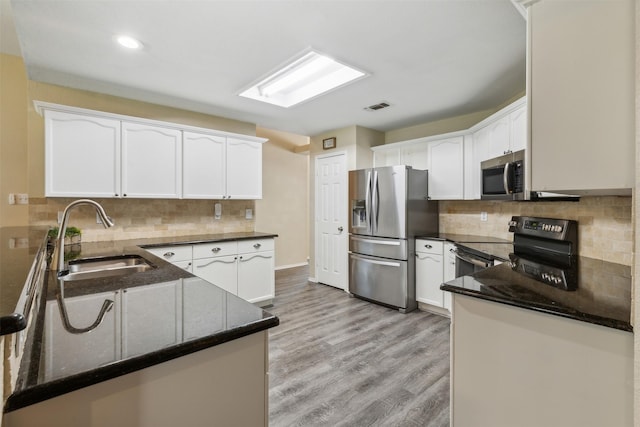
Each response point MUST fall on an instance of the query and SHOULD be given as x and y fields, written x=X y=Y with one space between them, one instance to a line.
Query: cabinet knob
x=257 y=245
x=215 y=250
x=168 y=254
x=340 y=229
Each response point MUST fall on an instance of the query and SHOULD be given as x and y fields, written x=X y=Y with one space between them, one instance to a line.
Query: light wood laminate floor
x=341 y=361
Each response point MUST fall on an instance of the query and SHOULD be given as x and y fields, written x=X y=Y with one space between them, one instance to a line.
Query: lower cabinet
x=244 y=267
x=430 y=270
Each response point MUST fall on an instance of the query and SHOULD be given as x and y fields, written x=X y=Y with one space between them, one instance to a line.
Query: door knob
x=340 y=229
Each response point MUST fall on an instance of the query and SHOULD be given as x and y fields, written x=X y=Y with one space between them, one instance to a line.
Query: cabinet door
x=82 y=155
x=67 y=353
x=416 y=156
x=480 y=153
x=221 y=271
x=582 y=96
x=244 y=169
x=203 y=166
x=429 y=278
x=145 y=330
x=498 y=139
x=446 y=171
x=518 y=129
x=256 y=279
x=387 y=157
x=151 y=161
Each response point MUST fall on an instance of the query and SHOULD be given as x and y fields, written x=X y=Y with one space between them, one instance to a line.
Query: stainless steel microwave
x=502 y=178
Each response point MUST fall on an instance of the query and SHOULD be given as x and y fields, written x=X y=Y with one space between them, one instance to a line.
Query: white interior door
x=331 y=220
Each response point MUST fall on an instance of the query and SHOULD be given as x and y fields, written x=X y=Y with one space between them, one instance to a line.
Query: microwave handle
x=505 y=178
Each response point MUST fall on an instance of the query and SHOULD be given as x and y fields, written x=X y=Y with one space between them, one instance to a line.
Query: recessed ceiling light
x=129 y=42
x=307 y=76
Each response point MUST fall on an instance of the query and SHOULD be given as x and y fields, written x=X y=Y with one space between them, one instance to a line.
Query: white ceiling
x=429 y=59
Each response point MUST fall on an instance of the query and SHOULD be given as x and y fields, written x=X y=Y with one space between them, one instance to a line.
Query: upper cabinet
x=94 y=154
x=453 y=159
x=151 y=161
x=446 y=169
x=581 y=65
x=82 y=155
x=244 y=169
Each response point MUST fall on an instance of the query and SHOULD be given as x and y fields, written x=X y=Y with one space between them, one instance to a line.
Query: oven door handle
x=472 y=260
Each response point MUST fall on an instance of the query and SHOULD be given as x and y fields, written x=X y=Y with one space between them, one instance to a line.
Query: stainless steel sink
x=94 y=268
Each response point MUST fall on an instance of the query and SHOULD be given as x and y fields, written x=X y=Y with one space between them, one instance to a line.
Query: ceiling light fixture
x=309 y=75
x=129 y=42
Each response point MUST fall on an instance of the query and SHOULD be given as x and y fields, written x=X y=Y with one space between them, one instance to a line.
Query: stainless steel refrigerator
x=389 y=207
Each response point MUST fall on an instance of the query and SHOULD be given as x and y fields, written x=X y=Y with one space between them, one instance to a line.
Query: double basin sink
x=95 y=268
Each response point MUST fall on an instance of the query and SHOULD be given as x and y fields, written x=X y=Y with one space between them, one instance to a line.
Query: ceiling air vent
x=377 y=107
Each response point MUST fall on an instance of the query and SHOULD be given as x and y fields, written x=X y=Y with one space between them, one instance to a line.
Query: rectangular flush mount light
x=304 y=78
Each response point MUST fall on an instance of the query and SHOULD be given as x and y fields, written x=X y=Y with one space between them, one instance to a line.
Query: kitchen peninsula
x=151 y=348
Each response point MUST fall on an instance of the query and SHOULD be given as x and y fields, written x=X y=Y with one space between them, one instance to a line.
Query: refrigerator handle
x=367 y=203
x=374 y=203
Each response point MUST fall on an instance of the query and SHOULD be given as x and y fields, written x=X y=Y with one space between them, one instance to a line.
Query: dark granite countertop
x=602 y=295
x=156 y=315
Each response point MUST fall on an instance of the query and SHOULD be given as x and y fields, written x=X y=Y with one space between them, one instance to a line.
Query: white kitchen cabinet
x=82 y=155
x=518 y=129
x=498 y=133
x=204 y=166
x=581 y=59
x=244 y=169
x=416 y=156
x=222 y=271
x=143 y=324
x=256 y=278
x=67 y=352
x=96 y=154
x=446 y=169
x=151 y=161
x=389 y=156
x=243 y=267
x=429 y=272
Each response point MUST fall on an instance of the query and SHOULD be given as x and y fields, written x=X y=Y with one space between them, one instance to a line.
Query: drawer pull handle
x=216 y=250
x=168 y=254
x=257 y=245
x=428 y=246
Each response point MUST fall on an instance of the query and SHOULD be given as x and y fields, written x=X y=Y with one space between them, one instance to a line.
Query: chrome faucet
x=106 y=221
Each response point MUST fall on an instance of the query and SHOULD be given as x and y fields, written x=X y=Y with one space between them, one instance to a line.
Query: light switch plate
x=248 y=213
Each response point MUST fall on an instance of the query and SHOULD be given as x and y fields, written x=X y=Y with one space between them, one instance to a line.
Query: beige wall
x=13 y=139
x=284 y=208
x=605 y=231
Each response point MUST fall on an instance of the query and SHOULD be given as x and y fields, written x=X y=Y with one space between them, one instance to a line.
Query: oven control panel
x=549 y=228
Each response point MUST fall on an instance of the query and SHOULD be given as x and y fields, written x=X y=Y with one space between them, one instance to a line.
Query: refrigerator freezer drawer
x=377 y=279
x=378 y=247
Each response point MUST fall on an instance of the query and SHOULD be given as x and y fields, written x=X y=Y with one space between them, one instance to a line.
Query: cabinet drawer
x=429 y=246
x=173 y=254
x=254 y=245
x=208 y=250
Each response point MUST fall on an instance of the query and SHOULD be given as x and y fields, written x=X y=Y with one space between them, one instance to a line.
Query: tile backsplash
x=605 y=229
x=142 y=218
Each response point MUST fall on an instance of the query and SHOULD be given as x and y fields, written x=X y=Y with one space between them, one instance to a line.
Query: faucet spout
x=106 y=221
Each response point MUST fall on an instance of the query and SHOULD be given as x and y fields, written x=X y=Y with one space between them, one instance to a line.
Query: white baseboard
x=283 y=267
x=313 y=279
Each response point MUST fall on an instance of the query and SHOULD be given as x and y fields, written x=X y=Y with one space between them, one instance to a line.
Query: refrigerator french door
x=389 y=206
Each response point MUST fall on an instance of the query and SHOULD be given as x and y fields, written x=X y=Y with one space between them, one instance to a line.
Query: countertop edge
x=596 y=320
x=40 y=393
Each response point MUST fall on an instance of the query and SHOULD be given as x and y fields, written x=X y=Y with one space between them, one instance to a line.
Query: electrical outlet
x=248 y=213
x=12 y=199
x=483 y=216
x=22 y=198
